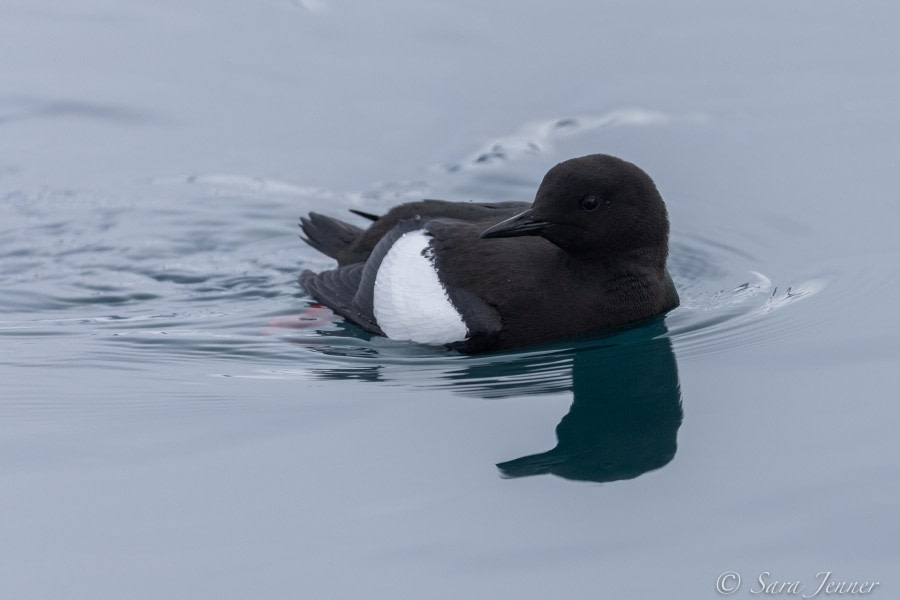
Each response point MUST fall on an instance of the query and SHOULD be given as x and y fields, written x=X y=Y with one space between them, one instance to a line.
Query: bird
x=587 y=256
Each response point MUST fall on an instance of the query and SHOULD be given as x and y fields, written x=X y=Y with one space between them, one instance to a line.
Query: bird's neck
x=630 y=262
x=635 y=281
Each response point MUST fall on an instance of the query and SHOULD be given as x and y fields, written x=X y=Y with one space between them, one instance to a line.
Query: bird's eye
x=590 y=203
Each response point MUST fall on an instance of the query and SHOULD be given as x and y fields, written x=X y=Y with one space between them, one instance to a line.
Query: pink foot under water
x=313 y=317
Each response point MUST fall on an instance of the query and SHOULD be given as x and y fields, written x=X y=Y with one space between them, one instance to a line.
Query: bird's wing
x=350 y=290
x=337 y=289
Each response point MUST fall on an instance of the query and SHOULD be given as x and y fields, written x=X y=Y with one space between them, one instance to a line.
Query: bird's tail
x=327 y=235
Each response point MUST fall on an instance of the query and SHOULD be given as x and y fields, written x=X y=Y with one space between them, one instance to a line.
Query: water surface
x=178 y=421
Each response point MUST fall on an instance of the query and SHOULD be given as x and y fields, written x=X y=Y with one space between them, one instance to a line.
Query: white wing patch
x=409 y=301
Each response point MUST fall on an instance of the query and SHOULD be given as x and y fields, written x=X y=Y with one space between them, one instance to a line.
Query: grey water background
x=175 y=421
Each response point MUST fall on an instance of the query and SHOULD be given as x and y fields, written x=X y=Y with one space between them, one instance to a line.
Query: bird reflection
x=626 y=407
x=624 y=417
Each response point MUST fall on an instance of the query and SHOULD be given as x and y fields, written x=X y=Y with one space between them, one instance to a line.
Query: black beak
x=521 y=224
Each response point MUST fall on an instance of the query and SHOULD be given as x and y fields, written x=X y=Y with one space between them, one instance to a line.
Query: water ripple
x=210 y=274
x=539 y=137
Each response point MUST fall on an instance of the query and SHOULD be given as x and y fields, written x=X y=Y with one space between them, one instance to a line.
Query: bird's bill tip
x=521 y=224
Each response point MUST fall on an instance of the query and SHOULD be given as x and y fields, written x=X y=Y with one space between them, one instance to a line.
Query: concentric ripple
x=725 y=302
x=203 y=268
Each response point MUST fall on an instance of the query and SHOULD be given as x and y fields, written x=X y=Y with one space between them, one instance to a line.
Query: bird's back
x=349 y=244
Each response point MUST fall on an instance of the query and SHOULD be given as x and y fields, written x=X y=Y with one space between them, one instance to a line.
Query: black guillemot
x=588 y=256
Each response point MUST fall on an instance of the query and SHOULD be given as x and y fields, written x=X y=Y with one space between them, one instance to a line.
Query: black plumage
x=589 y=255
